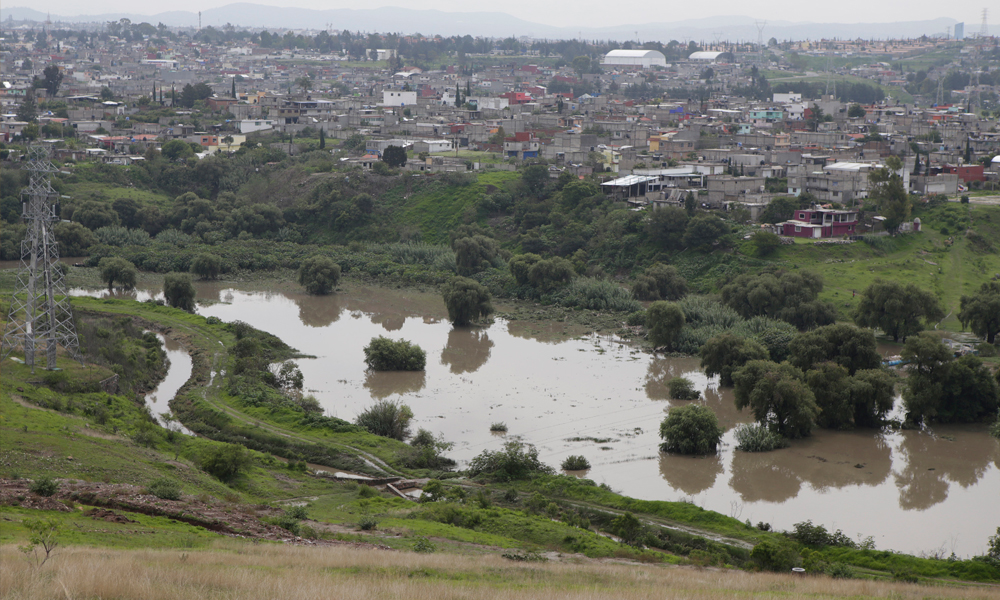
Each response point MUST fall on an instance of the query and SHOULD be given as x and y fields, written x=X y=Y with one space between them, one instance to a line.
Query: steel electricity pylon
x=40 y=318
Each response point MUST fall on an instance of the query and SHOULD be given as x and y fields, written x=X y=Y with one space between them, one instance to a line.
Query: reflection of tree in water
x=389 y=321
x=382 y=384
x=829 y=459
x=318 y=311
x=662 y=370
x=468 y=349
x=758 y=476
x=690 y=474
x=723 y=404
x=954 y=455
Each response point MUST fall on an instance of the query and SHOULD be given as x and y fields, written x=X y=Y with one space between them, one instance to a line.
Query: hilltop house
x=820 y=223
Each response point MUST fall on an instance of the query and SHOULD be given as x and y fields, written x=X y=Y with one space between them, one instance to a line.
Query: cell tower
x=984 y=29
x=40 y=318
x=760 y=39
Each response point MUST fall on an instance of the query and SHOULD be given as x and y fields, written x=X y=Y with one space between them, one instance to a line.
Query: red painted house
x=966 y=173
x=516 y=97
x=820 y=223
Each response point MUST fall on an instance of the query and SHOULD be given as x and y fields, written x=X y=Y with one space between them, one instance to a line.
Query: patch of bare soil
x=226 y=518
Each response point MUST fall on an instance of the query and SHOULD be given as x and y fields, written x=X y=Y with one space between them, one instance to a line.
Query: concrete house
x=820 y=223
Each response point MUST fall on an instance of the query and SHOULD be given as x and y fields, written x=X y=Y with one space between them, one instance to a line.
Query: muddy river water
x=932 y=491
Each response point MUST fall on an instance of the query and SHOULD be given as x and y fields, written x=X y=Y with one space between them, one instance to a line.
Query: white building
x=635 y=58
x=787 y=98
x=251 y=125
x=398 y=98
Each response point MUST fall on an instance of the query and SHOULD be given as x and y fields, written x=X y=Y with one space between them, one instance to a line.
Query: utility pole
x=40 y=317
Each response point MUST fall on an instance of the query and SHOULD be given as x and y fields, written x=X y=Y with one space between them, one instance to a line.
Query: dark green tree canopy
x=664 y=321
x=981 y=311
x=467 y=300
x=384 y=354
x=786 y=295
x=703 y=231
x=778 y=397
x=943 y=389
x=691 y=429
x=319 y=274
x=179 y=291
x=899 y=310
x=660 y=282
x=724 y=353
x=474 y=254
x=887 y=189
x=848 y=346
x=115 y=270
x=206 y=266
x=394 y=156
x=520 y=265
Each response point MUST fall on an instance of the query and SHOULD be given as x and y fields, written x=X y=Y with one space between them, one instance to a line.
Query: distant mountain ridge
x=498 y=24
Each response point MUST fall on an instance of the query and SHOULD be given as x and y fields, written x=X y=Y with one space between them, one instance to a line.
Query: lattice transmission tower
x=40 y=318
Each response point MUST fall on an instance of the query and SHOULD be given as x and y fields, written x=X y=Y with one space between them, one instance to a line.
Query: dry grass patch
x=237 y=570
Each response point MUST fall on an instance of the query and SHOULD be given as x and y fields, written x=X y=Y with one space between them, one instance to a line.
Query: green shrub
x=44 y=486
x=387 y=418
x=424 y=546
x=770 y=555
x=225 y=462
x=636 y=319
x=514 y=462
x=682 y=388
x=691 y=429
x=839 y=570
x=319 y=274
x=367 y=523
x=499 y=427
x=753 y=437
x=575 y=463
x=598 y=294
x=383 y=354
x=367 y=491
x=165 y=488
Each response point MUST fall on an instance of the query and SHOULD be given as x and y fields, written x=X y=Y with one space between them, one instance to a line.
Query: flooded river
x=927 y=491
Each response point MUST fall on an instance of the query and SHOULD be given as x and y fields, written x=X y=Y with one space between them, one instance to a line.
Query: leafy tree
x=322 y=138
x=467 y=300
x=703 y=231
x=779 y=209
x=682 y=388
x=665 y=227
x=355 y=143
x=628 y=529
x=115 y=270
x=581 y=64
x=384 y=354
x=778 y=397
x=981 y=311
x=319 y=274
x=52 y=79
x=848 y=346
x=43 y=533
x=944 y=389
x=516 y=461
x=520 y=266
x=691 y=429
x=786 y=295
x=725 y=353
x=873 y=393
x=664 y=321
x=225 y=462
x=387 y=419
x=176 y=150
x=93 y=215
x=178 y=291
x=206 y=266
x=74 y=239
x=898 y=310
x=856 y=111
x=887 y=189
x=394 y=156
x=660 y=282
x=765 y=243
x=27 y=110
x=535 y=177
x=550 y=274
x=474 y=254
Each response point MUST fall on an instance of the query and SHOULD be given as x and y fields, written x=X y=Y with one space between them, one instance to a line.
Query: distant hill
x=497 y=24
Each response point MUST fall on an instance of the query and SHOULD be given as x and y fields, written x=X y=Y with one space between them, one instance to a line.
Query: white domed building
x=641 y=59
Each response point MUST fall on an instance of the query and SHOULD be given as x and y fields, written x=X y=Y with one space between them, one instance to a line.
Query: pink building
x=820 y=223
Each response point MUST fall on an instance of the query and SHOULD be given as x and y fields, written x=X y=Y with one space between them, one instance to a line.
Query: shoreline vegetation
x=775 y=317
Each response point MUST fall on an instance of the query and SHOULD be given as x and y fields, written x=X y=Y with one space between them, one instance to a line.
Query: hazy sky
x=589 y=12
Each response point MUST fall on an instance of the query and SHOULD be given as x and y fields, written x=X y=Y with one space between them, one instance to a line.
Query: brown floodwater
x=178 y=373
x=929 y=491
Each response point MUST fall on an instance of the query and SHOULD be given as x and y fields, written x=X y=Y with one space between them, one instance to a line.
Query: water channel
x=915 y=491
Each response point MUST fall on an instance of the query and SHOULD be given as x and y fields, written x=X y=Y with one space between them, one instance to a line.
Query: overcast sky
x=589 y=12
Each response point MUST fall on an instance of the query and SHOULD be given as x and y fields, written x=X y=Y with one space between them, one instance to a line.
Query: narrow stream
x=178 y=372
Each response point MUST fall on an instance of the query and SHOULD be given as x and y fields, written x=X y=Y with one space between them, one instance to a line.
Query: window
x=798 y=229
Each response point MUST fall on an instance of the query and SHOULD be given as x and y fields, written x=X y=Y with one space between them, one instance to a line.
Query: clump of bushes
x=682 y=388
x=44 y=486
x=499 y=427
x=383 y=354
x=387 y=418
x=753 y=437
x=515 y=461
x=165 y=488
x=575 y=463
x=225 y=462
x=691 y=429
